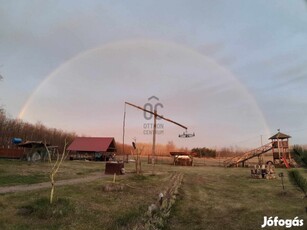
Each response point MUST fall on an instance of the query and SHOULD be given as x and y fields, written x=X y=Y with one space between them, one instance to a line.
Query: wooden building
x=280 y=148
x=92 y=148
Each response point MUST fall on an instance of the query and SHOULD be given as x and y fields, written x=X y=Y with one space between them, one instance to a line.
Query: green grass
x=209 y=198
x=6 y=180
x=93 y=208
x=42 y=209
x=15 y=172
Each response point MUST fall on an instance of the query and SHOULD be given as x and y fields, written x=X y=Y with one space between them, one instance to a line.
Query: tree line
x=16 y=128
x=204 y=152
x=161 y=149
x=165 y=149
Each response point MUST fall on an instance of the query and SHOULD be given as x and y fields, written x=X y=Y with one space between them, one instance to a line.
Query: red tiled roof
x=91 y=144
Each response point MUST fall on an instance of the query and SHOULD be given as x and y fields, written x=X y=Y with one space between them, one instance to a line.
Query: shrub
x=300 y=155
x=204 y=152
x=298 y=180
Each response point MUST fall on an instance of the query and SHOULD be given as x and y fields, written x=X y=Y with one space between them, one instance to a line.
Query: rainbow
x=131 y=44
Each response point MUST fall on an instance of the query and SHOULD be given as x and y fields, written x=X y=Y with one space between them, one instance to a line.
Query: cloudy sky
x=231 y=71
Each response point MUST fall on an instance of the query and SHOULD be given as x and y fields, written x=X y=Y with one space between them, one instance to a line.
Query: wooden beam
x=157 y=115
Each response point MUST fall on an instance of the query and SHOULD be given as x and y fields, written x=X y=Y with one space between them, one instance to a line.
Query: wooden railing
x=248 y=155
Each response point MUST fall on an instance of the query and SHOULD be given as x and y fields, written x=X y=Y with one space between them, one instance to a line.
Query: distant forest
x=16 y=128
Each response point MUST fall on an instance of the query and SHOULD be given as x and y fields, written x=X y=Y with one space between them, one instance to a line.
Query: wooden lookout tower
x=280 y=148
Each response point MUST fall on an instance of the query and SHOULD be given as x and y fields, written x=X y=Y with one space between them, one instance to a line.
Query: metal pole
x=154 y=142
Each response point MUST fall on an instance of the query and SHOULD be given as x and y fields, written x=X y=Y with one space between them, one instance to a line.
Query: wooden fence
x=11 y=153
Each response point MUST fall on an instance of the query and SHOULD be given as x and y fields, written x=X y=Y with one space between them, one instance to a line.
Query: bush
x=300 y=155
x=298 y=180
x=204 y=152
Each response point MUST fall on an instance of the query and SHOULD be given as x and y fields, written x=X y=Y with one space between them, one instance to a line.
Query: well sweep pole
x=154 y=143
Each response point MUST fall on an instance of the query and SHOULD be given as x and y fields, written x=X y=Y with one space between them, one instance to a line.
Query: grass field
x=14 y=172
x=209 y=198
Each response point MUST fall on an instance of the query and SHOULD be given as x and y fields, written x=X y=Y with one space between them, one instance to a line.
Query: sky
x=233 y=72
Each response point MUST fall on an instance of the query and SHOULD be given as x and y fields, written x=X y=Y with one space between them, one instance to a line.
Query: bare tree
x=55 y=169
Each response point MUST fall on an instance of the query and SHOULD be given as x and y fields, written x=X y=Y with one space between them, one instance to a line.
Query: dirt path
x=23 y=188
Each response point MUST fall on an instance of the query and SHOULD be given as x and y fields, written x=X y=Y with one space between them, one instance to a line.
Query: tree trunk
x=52 y=188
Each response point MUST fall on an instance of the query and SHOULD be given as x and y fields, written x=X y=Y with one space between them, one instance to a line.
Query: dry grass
x=209 y=198
x=93 y=208
x=213 y=198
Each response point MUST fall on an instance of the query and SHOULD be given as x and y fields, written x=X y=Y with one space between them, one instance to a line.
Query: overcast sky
x=230 y=71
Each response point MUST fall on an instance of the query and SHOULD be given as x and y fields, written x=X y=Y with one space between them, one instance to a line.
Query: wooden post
x=136 y=161
x=289 y=152
x=279 y=152
x=153 y=152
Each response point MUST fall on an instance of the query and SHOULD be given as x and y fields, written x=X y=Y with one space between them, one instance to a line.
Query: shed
x=92 y=148
x=36 y=150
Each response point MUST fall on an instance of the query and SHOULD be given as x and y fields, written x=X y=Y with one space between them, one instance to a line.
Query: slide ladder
x=248 y=155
